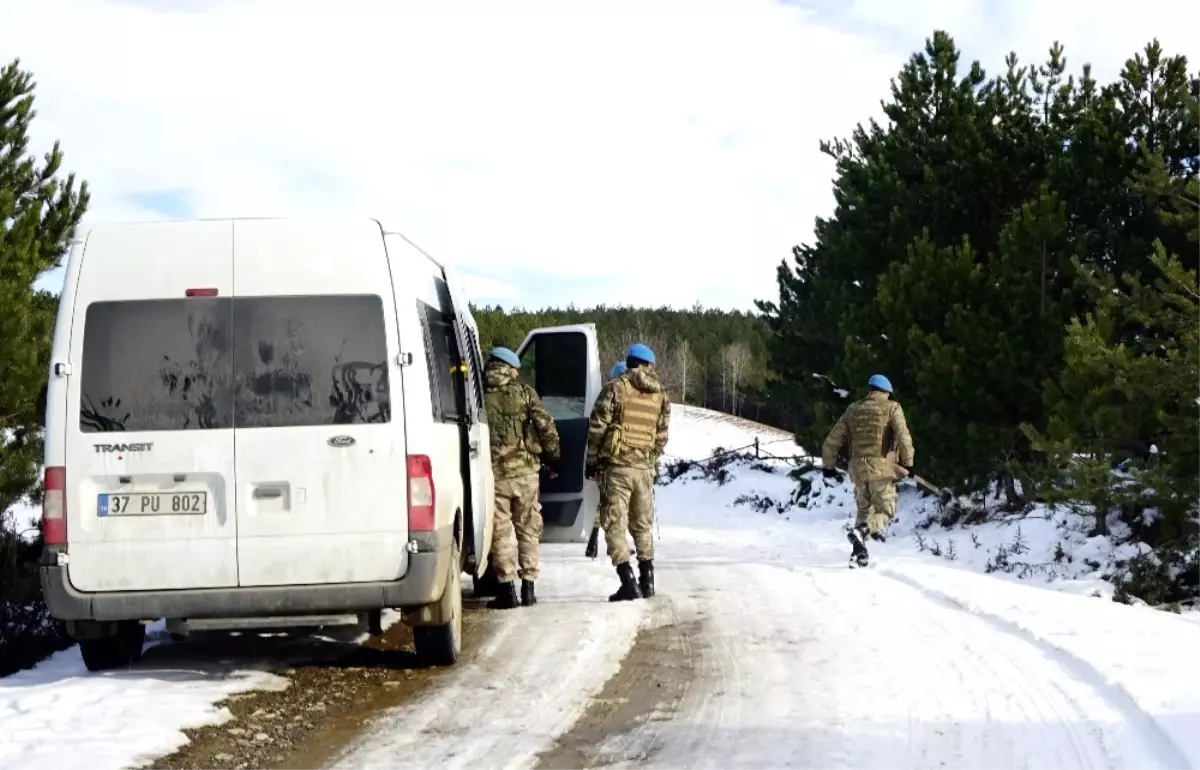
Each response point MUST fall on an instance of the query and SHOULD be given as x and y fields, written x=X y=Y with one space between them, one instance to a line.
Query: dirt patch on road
x=333 y=693
x=653 y=680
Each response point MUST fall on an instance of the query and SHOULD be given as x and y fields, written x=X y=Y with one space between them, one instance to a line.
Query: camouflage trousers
x=627 y=508
x=876 y=502
x=516 y=528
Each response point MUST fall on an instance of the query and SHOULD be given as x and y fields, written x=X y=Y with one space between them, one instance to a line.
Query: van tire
x=118 y=651
x=441 y=645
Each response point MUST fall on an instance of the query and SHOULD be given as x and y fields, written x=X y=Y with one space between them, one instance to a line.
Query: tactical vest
x=639 y=416
x=870 y=428
x=509 y=426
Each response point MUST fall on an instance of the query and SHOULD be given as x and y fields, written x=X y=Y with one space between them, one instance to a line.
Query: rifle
x=943 y=495
x=593 y=544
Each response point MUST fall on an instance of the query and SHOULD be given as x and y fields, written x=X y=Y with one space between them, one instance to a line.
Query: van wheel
x=487 y=584
x=441 y=645
x=118 y=651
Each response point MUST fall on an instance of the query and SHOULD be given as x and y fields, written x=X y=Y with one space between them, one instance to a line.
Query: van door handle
x=262 y=493
x=474 y=447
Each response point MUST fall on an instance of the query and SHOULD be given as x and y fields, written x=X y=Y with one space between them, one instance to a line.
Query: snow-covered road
x=789 y=665
x=822 y=666
x=763 y=649
x=528 y=683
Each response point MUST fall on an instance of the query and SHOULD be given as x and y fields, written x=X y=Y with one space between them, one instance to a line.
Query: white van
x=269 y=422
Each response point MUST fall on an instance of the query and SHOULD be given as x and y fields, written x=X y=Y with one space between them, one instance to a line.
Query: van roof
x=331 y=220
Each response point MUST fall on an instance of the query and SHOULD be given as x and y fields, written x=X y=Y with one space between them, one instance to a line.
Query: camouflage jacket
x=522 y=431
x=876 y=429
x=629 y=423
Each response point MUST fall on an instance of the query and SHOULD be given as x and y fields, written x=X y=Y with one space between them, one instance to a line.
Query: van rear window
x=309 y=361
x=157 y=365
x=246 y=362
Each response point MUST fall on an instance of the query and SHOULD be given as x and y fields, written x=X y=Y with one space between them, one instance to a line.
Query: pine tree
x=1123 y=419
x=38 y=216
x=893 y=282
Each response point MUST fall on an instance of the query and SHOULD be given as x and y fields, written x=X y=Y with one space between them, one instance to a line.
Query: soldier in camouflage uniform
x=523 y=436
x=627 y=434
x=880 y=445
x=593 y=547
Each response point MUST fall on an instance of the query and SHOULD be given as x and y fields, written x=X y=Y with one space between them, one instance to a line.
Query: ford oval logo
x=340 y=441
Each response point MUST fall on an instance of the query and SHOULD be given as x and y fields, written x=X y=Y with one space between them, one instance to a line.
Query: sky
x=658 y=152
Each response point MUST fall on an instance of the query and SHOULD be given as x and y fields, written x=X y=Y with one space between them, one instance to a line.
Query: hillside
x=1045 y=545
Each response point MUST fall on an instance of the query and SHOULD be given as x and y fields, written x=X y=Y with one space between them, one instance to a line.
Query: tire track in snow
x=1164 y=749
x=873 y=674
x=1008 y=703
x=527 y=684
x=654 y=677
x=1042 y=708
x=733 y=712
x=687 y=708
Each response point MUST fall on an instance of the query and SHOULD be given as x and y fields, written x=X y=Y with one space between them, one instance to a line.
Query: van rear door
x=321 y=465
x=562 y=363
x=149 y=437
x=479 y=485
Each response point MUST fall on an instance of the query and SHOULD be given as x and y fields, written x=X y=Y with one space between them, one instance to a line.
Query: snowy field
x=777 y=653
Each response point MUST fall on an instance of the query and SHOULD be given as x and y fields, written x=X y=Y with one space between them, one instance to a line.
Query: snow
x=1039 y=545
x=532 y=679
x=25 y=518
x=24 y=515
x=795 y=660
x=827 y=667
x=801 y=662
x=696 y=433
x=56 y=714
x=1153 y=685
x=1104 y=683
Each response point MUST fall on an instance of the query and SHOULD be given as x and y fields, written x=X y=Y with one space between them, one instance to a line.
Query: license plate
x=154 y=504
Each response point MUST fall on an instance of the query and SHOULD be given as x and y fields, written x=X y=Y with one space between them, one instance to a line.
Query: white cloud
x=657 y=153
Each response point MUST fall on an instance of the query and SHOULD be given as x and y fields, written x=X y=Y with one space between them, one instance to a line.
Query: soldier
x=523 y=436
x=627 y=434
x=593 y=545
x=878 y=433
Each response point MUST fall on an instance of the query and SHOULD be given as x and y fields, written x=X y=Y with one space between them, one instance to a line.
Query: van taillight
x=200 y=293
x=422 y=498
x=54 y=506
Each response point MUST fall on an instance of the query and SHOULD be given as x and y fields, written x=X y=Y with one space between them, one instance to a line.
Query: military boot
x=506 y=597
x=858 y=544
x=528 y=597
x=646 y=578
x=629 y=588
